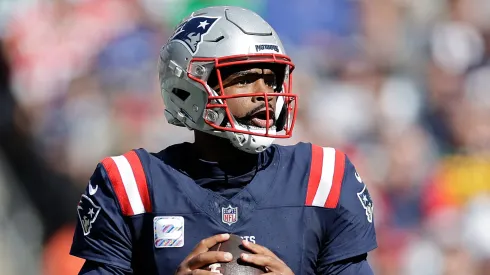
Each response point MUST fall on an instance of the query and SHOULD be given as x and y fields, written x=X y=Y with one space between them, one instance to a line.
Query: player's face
x=251 y=110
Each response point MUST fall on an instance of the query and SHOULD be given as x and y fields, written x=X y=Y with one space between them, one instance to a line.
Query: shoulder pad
x=128 y=180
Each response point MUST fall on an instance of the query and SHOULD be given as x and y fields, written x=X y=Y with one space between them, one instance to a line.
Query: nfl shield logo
x=229 y=215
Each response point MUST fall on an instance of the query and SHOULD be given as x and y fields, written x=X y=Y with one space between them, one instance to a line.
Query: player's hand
x=201 y=256
x=265 y=258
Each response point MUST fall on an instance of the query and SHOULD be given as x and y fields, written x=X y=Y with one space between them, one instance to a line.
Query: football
x=236 y=266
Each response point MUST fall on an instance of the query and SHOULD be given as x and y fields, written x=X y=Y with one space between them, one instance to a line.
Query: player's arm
x=351 y=235
x=102 y=237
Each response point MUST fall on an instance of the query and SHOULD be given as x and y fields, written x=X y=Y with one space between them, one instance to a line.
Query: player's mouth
x=259 y=119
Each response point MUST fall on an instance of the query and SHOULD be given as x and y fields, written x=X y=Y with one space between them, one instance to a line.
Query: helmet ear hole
x=182 y=94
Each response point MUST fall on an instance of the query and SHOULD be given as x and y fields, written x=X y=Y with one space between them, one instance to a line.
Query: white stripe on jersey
x=130 y=185
x=326 y=179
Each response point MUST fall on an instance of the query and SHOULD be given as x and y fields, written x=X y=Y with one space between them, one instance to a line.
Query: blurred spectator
x=49 y=192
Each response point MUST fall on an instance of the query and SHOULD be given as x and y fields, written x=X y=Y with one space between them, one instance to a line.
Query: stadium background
x=400 y=85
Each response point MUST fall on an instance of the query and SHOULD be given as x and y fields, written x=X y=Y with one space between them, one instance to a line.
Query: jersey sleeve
x=101 y=235
x=350 y=230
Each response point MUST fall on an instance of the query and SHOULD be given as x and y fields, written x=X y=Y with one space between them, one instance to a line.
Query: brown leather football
x=236 y=266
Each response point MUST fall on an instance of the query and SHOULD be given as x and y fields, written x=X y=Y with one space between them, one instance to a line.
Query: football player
x=299 y=209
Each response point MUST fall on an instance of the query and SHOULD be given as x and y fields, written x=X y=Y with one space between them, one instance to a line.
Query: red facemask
x=286 y=103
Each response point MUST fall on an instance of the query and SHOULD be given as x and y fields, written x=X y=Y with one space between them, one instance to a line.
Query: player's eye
x=243 y=81
x=249 y=78
x=270 y=80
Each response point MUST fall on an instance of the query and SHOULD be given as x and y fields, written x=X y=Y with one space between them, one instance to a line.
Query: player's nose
x=263 y=91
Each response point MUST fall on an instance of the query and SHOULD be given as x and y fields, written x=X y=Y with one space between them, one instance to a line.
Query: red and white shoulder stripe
x=129 y=183
x=326 y=175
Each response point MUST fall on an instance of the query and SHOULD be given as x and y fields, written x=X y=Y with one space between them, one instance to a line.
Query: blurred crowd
x=399 y=85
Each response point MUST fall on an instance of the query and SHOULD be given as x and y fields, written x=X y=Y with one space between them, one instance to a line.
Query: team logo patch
x=87 y=213
x=367 y=203
x=191 y=32
x=229 y=215
x=266 y=48
x=168 y=231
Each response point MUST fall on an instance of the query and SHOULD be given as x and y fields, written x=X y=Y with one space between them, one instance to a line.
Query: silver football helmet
x=202 y=45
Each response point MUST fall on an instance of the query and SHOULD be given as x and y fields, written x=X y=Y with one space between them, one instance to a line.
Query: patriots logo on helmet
x=87 y=213
x=191 y=32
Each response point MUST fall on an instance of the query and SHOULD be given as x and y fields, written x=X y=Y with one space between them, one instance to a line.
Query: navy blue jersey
x=308 y=205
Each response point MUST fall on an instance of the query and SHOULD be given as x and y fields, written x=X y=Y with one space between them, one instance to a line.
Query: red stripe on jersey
x=338 y=176
x=140 y=177
x=315 y=173
x=118 y=186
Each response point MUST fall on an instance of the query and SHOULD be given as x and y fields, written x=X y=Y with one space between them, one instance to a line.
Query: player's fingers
x=207 y=258
x=196 y=272
x=205 y=244
x=258 y=249
x=201 y=272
